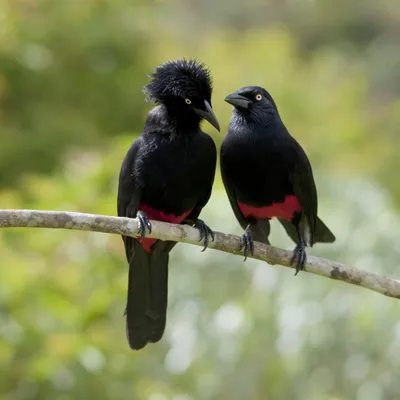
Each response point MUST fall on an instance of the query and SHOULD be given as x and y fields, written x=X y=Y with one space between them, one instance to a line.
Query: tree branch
x=186 y=234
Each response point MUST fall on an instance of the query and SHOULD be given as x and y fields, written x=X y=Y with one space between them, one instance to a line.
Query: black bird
x=167 y=175
x=267 y=175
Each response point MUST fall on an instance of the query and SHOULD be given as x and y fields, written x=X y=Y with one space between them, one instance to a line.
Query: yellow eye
x=188 y=101
x=258 y=97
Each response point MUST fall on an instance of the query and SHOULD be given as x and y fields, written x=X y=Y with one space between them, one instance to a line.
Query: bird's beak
x=238 y=101
x=208 y=115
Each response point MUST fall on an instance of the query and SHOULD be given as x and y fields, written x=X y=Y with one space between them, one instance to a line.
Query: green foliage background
x=71 y=75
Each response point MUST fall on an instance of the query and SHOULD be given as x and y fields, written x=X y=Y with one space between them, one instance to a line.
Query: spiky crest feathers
x=180 y=78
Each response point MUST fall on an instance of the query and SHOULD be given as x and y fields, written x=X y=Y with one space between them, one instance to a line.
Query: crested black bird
x=167 y=175
x=267 y=175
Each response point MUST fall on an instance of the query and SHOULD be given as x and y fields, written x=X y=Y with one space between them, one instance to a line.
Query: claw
x=143 y=224
x=299 y=254
x=205 y=232
x=247 y=243
x=148 y=224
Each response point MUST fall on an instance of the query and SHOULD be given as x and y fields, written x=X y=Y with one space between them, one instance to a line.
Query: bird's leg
x=205 y=232
x=143 y=224
x=299 y=253
x=247 y=242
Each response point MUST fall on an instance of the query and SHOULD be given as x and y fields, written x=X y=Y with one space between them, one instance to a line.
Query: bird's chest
x=258 y=170
x=172 y=173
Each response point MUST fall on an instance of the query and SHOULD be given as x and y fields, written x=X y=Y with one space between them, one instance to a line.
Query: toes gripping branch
x=247 y=243
x=143 y=224
x=299 y=254
x=205 y=232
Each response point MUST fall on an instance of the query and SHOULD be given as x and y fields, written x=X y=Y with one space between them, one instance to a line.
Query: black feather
x=168 y=171
x=180 y=78
x=267 y=173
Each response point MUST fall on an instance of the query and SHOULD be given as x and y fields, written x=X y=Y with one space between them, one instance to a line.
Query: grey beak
x=238 y=101
x=208 y=115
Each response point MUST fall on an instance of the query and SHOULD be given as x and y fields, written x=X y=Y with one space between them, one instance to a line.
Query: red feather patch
x=158 y=215
x=286 y=209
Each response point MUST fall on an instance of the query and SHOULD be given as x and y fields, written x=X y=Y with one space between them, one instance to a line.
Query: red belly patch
x=158 y=215
x=286 y=209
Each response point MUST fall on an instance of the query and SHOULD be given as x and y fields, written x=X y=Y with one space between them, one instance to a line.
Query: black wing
x=302 y=180
x=305 y=190
x=322 y=232
x=259 y=228
x=148 y=273
x=230 y=191
x=128 y=194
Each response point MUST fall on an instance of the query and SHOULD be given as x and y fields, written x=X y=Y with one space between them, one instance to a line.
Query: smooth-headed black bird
x=267 y=175
x=167 y=175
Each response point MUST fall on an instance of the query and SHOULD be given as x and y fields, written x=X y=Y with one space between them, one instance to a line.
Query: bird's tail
x=322 y=233
x=146 y=309
x=261 y=230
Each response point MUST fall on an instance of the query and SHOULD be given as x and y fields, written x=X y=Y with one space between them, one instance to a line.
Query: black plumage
x=167 y=175
x=267 y=175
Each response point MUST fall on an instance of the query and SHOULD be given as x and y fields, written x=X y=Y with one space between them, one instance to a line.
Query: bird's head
x=185 y=88
x=253 y=101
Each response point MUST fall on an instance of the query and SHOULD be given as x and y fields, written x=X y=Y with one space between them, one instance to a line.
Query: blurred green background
x=71 y=74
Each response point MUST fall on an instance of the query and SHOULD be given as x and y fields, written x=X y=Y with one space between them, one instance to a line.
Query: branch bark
x=186 y=234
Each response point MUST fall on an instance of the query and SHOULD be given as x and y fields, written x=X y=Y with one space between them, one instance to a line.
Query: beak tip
x=215 y=124
x=210 y=116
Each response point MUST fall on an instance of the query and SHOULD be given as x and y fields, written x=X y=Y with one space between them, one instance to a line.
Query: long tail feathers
x=322 y=233
x=146 y=309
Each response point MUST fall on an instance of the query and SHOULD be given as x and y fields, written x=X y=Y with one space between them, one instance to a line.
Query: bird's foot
x=300 y=256
x=143 y=224
x=247 y=243
x=205 y=232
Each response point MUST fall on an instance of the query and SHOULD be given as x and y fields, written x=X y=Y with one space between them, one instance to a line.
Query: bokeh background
x=71 y=74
